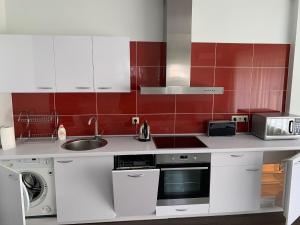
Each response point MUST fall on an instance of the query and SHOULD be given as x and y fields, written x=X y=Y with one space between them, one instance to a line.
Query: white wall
x=138 y=19
x=5 y=99
x=248 y=21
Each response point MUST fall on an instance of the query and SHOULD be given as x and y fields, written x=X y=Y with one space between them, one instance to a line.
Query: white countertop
x=129 y=145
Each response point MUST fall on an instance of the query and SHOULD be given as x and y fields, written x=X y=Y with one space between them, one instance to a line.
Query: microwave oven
x=272 y=126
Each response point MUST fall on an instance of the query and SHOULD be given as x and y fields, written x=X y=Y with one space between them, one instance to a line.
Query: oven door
x=184 y=181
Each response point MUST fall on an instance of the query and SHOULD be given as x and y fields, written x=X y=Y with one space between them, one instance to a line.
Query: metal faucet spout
x=95 y=119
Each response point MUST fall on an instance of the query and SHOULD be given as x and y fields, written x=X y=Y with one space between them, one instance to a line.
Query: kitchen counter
x=129 y=145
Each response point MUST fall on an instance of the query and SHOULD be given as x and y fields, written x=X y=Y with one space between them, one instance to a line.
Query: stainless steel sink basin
x=84 y=144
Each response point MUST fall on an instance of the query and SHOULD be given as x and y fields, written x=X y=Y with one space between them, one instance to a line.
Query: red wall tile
x=233 y=78
x=75 y=103
x=202 y=76
x=271 y=55
x=151 y=77
x=232 y=102
x=191 y=123
x=194 y=103
x=116 y=124
x=254 y=88
x=203 y=54
x=270 y=79
x=116 y=103
x=151 y=54
x=37 y=103
x=153 y=104
x=160 y=123
x=234 y=55
x=78 y=125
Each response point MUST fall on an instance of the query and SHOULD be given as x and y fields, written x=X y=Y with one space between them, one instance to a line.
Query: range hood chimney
x=178 y=32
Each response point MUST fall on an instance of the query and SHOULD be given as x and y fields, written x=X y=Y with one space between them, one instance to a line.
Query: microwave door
x=280 y=127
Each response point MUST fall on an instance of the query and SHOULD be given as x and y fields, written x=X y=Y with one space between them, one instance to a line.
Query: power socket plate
x=240 y=118
x=135 y=120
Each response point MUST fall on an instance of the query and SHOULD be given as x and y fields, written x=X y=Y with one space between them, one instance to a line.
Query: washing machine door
x=12 y=209
x=36 y=187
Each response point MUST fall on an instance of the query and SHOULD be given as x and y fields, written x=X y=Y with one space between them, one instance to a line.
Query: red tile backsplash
x=203 y=54
x=75 y=103
x=202 y=76
x=254 y=77
x=271 y=55
x=116 y=103
x=234 y=55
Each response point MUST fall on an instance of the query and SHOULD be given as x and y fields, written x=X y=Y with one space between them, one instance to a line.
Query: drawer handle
x=65 y=161
x=45 y=88
x=236 y=156
x=135 y=175
x=252 y=170
x=104 y=88
x=181 y=210
x=83 y=88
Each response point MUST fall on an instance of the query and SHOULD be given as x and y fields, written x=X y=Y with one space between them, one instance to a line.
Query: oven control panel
x=183 y=158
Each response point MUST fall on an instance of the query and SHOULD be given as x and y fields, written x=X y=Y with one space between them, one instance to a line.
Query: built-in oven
x=184 y=179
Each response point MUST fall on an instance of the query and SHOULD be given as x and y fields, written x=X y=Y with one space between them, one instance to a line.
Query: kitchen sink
x=84 y=144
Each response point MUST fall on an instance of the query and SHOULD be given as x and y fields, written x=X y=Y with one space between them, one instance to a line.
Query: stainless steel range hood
x=178 y=32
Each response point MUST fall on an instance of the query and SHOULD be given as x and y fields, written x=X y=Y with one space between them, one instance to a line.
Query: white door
x=73 y=64
x=111 y=58
x=14 y=200
x=135 y=192
x=235 y=188
x=292 y=190
x=26 y=63
x=84 y=189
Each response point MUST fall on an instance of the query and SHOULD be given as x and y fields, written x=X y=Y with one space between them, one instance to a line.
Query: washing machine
x=38 y=178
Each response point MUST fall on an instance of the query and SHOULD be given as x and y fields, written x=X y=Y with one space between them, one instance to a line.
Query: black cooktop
x=178 y=142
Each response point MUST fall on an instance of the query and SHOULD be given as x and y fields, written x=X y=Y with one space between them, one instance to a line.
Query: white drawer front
x=236 y=158
x=177 y=210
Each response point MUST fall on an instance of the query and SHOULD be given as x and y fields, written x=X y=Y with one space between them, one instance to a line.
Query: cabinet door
x=26 y=63
x=135 y=192
x=292 y=190
x=73 y=63
x=84 y=189
x=111 y=57
x=235 y=188
x=12 y=208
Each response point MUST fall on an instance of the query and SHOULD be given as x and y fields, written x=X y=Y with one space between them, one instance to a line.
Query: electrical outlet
x=135 y=120
x=240 y=118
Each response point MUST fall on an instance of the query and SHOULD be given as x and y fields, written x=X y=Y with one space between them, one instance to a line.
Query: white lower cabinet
x=84 y=189
x=135 y=192
x=236 y=188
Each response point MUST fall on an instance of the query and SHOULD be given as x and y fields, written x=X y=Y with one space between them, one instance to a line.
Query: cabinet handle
x=104 y=88
x=65 y=161
x=252 y=170
x=83 y=88
x=135 y=175
x=45 y=88
x=181 y=210
x=236 y=156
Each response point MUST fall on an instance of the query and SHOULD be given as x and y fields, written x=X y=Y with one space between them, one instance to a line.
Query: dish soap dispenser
x=62 y=133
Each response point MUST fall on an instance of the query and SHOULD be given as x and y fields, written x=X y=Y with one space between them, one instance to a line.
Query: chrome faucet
x=97 y=136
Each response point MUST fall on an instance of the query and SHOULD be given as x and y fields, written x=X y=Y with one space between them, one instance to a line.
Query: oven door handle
x=184 y=168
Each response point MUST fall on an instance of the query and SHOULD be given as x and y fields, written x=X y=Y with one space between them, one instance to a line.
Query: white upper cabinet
x=74 y=63
x=111 y=57
x=26 y=63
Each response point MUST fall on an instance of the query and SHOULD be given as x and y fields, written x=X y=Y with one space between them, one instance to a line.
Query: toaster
x=221 y=128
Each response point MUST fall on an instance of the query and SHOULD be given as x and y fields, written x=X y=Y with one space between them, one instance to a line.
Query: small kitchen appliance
x=272 y=126
x=144 y=134
x=221 y=128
